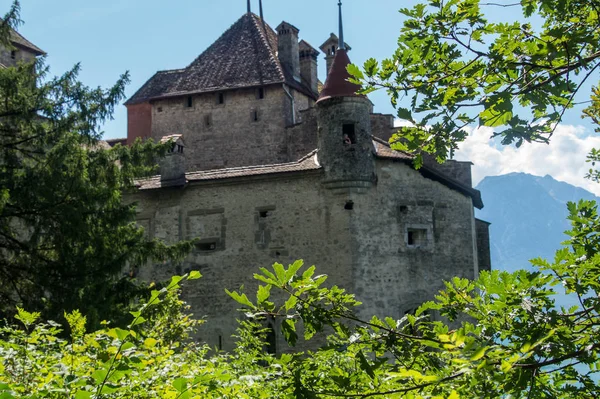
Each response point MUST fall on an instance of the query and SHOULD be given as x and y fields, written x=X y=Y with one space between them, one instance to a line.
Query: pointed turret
x=344 y=119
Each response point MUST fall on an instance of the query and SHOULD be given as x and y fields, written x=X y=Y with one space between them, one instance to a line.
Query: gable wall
x=233 y=138
x=21 y=55
x=390 y=276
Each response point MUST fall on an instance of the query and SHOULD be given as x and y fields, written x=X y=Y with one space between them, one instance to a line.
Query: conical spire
x=337 y=83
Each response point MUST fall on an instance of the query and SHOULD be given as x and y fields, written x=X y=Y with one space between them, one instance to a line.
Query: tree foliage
x=454 y=68
x=65 y=234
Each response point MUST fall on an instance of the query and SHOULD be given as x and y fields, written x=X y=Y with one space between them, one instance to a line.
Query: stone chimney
x=330 y=47
x=288 y=49
x=172 y=166
x=308 y=66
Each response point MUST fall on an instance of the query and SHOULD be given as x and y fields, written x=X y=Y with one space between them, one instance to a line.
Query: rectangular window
x=208 y=120
x=207 y=246
x=255 y=116
x=349 y=133
x=260 y=93
x=416 y=238
x=220 y=98
x=13 y=54
x=190 y=102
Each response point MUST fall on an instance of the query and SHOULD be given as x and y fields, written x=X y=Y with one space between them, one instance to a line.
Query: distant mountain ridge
x=528 y=215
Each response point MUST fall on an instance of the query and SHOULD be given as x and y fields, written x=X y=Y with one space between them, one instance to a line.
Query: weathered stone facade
x=230 y=128
x=22 y=51
x=273 y=175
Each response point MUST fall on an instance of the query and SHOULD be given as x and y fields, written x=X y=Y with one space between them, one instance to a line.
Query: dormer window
x=349 y=133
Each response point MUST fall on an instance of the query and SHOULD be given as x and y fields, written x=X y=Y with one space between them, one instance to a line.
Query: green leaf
x=479 y=353
x=355 y=72
x=194 y=275
x=242 y=299
x=83 y=395
x=180 y=384
x=263 y=294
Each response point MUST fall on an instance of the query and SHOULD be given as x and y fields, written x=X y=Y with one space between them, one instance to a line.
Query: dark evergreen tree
x=66 y=235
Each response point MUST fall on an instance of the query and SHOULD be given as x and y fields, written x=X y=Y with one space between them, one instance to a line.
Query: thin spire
x=342 y=45
x=261 y=11
x=249 y=8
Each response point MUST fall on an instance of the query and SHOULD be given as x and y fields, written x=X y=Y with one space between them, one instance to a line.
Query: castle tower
x=344 y=128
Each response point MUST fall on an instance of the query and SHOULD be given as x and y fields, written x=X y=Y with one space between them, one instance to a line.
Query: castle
x=270 y=165
x=22 y=51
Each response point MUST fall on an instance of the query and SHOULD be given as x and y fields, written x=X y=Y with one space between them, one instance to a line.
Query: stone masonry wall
x=359 y=240
x=20 y=55
x=253 y=224
x=409 y=234
x=226 y=135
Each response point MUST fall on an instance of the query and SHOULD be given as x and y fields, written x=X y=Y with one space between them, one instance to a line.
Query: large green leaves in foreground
x=456 y=65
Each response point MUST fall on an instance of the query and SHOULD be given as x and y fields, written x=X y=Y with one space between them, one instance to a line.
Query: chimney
x=172 y=166
x=308 y=66
x=288 y=48
x=330 y=47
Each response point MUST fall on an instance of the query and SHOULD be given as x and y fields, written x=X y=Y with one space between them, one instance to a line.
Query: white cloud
x=564 y=158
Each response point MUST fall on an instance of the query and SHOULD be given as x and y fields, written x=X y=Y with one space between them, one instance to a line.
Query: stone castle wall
x=392 y=273
x=20 y=55
x=249 y=223
x=244 y=130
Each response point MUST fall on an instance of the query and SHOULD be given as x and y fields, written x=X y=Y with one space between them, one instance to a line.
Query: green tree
x=454 y=68
x=65 y=234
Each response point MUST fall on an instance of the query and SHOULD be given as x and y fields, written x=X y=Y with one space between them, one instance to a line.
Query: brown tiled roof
x=337 y=83
x=383 y=150
x=307 y=163
x=18 y=40
x=244 y=56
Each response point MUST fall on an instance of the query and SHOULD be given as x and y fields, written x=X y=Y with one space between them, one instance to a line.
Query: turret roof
x=244 y=56
x=337 y=83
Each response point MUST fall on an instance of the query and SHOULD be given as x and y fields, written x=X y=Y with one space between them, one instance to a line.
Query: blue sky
x=110 y=37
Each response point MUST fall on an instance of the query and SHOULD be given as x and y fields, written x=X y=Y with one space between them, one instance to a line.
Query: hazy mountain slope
x=528 y=215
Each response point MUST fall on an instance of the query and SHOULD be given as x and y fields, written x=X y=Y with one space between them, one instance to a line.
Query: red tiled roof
x=337 y=83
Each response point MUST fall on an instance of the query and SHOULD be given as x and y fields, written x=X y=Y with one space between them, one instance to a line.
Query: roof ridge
x=263 y=35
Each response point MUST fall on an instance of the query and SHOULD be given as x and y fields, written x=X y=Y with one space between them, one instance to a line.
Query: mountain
x=528 y=215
